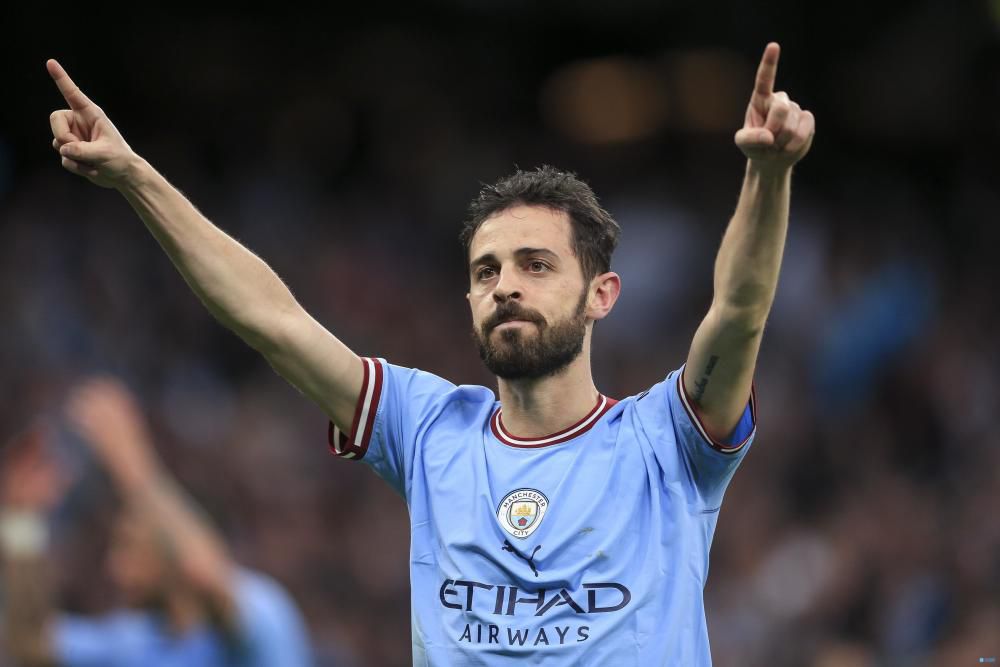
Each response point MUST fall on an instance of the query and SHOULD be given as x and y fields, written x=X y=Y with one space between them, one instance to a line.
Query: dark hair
x=595 y=233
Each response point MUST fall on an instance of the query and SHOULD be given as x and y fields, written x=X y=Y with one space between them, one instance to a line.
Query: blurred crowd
x=862 y=527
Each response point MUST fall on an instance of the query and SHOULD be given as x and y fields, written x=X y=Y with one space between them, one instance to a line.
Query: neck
x=536 y=408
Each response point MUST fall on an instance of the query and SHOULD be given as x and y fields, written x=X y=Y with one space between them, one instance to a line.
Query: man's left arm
x=718 y=374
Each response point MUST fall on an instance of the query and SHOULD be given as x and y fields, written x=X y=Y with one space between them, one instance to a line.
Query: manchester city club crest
x=521 y=511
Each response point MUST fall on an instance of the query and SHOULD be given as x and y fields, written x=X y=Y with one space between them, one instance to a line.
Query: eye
x=485 y=272
x=537 y=266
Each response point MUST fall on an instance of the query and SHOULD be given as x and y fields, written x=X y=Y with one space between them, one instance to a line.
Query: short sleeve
x=670 y=420
x=393 y=405
x=272 y=631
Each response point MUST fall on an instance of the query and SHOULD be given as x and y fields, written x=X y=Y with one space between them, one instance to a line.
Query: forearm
x=749 y=259
x=188 y=534
x=236 y=286
x=28 y=608
x=187 y=537
x=725 y=346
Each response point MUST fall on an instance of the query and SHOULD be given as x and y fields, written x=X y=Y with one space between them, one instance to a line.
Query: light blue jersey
x=272 y=633
x=586 y=547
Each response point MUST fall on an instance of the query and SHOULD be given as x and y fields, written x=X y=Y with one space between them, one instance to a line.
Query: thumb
x=81 y=151
x=752 y=137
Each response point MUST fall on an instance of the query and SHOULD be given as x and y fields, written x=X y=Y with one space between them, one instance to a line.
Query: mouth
x=512 y=324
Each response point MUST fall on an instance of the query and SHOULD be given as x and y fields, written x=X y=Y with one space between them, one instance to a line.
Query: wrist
x=134 y=175
x=24 y=533
x=765 y=177
x=768 y=173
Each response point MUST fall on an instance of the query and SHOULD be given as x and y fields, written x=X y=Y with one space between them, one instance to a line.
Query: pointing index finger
x=70 y=91
x=766 y=73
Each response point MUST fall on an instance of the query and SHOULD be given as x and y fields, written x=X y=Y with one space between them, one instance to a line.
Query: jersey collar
x=503 y=435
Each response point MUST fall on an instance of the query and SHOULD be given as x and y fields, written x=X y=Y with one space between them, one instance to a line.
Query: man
x=555 y=523
x=186 y=603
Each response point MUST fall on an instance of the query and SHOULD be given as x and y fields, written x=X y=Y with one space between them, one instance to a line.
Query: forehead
x=524 y=226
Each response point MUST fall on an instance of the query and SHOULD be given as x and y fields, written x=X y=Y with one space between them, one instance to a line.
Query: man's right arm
x=245 y=295
x=237 y=287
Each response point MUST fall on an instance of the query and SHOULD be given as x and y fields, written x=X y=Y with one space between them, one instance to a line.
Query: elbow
x=749 y=295
x=266 y=331
x=746 y=318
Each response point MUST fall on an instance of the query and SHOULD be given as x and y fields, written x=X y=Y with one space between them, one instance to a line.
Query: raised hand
x=107 y=417
x=777 y=132
x=84 y=136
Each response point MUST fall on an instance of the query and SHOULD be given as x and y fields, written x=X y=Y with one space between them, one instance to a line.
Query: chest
x=546 y=515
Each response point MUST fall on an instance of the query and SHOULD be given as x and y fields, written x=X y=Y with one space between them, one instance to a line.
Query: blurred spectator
x=185 y=602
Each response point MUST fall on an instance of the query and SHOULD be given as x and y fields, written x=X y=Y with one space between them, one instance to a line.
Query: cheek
x=480 y=306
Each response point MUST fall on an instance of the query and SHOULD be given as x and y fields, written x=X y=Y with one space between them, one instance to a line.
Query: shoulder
x=272 y=628
x=648 y=414
x=417 y=386
x=258 y=591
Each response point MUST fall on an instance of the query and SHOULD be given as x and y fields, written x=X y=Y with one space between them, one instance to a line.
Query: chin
x=512 y=335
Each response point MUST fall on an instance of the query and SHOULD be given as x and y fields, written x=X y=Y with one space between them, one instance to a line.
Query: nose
x=506 y=288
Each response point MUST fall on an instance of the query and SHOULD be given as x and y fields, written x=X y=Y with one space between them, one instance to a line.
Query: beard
x=520 y=356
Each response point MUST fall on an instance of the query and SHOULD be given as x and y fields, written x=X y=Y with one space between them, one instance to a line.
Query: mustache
x=511 y=310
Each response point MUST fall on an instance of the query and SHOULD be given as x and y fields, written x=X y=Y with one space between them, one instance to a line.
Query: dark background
x=343 y=148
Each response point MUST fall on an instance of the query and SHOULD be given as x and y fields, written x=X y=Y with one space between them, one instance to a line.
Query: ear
x=604 y=291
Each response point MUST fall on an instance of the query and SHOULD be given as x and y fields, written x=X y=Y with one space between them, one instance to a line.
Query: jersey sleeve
x=272 y=632
x=394 y=404
x=671 y=422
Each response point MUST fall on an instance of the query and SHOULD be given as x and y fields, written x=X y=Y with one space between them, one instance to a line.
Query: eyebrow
x=519 y=253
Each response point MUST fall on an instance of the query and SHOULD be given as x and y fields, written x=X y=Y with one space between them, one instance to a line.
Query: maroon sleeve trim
x=700 y=427
x=355 y=444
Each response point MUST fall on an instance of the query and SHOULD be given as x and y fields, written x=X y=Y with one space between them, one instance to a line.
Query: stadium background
x=862 y=529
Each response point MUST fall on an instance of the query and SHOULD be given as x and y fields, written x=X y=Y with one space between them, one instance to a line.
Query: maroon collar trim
x=496 y=424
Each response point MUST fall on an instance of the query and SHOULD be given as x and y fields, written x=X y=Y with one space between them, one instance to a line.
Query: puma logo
x=530 y=560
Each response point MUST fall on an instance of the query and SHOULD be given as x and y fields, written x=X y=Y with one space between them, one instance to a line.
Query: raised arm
x=110 y=421
x=239 y=289
x=776 y=134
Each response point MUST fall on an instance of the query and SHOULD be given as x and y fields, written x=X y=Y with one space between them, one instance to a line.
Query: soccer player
x=557 y=524
x=186 y=603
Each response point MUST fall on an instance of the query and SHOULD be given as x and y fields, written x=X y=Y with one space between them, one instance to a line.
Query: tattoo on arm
x=701 y=384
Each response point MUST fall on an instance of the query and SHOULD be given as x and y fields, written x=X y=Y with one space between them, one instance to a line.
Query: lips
x=505 y=314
